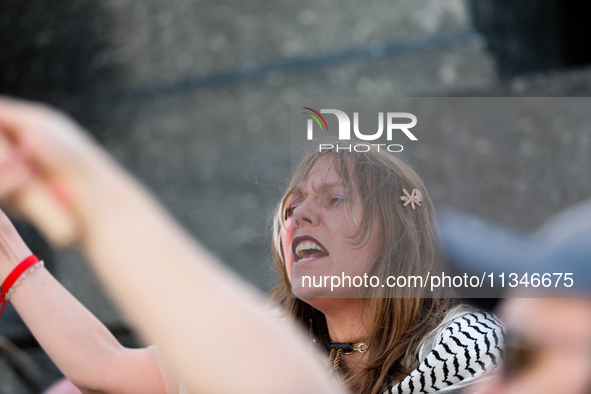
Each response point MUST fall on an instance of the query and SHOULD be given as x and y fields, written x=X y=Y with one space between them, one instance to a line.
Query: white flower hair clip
x=415 y=197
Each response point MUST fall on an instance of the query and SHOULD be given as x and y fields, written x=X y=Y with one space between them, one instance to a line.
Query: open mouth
x=307 y=248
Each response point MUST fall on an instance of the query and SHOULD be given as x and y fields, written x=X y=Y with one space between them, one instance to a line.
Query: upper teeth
x=305 y=245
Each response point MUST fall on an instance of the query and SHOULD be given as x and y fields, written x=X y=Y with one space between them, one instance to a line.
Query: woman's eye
x=335 y=200
x=289 y=211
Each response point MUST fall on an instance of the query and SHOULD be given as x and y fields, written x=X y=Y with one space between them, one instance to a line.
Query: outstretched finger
x=16 y=113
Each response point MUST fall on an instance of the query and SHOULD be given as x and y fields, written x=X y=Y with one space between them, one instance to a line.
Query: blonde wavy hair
x=400 y=318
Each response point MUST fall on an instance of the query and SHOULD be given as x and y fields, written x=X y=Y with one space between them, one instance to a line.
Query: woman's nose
x=306 y=214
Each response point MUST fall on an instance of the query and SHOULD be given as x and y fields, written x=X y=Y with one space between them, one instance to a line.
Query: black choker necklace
x=337 y=349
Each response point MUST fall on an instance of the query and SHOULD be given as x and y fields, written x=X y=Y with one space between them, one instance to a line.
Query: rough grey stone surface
x=217 y=156
x=157 y=41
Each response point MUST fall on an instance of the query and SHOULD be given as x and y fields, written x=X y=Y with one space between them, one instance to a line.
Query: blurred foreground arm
x=78 y=343
x=209 y=324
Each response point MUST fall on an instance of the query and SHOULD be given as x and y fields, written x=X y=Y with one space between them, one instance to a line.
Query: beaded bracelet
x=18 y=274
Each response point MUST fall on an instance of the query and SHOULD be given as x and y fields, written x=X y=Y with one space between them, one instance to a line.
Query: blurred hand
x=44 y=157
x=40 y=142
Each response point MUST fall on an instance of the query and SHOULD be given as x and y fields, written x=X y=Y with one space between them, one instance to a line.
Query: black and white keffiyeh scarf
x=467 y=348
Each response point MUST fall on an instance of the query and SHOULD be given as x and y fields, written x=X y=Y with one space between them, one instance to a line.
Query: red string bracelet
x=29 y=264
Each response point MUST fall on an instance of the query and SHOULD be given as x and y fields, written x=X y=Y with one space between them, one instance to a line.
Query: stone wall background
x=193 y=97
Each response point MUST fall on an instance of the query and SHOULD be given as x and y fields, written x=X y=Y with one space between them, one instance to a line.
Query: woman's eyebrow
x=330 y=186
x=295 y=192
x=324 y=187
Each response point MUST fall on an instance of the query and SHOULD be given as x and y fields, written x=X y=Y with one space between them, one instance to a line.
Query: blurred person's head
x=347 y=205
x=548 y=347
x=548 y=344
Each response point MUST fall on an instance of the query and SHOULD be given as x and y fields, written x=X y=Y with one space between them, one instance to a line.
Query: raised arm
x=209 y=324
x=79 y=344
